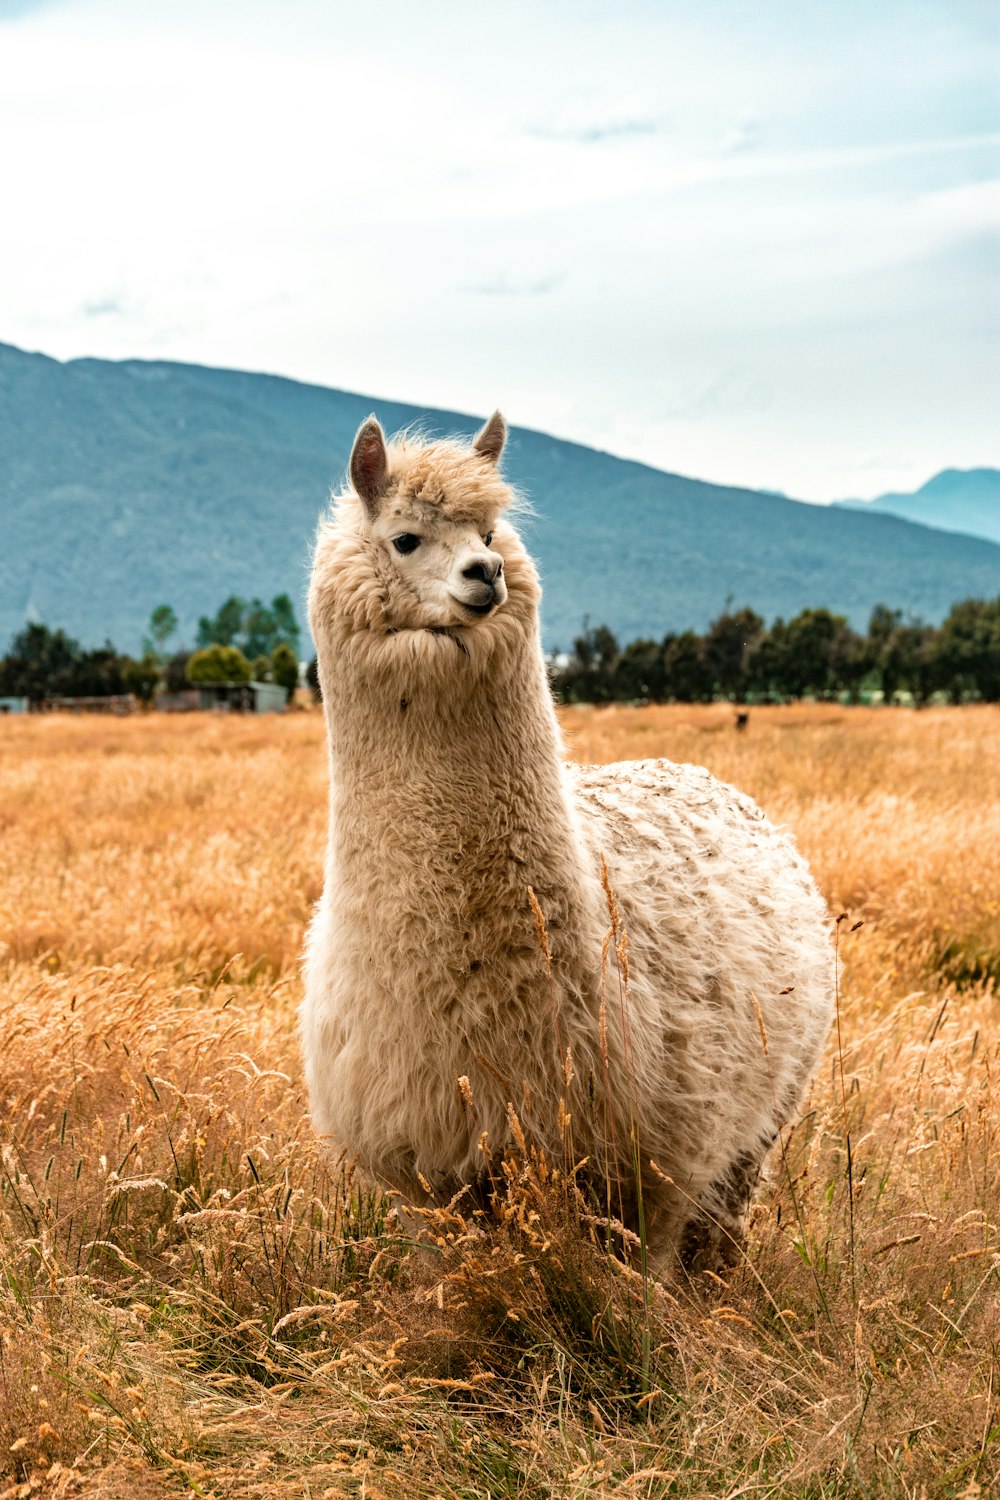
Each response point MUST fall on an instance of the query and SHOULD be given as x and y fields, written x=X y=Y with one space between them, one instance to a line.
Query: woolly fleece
x=450 y=798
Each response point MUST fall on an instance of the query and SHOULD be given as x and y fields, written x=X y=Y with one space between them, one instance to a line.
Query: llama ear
x=370 y=465
x=490 y=440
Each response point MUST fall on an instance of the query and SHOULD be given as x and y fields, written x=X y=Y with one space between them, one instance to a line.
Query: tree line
x=245 y=641
x=816 y=654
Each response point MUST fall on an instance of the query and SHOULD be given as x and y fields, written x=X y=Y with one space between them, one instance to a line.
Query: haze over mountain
x=126 y=485
x=966 y=500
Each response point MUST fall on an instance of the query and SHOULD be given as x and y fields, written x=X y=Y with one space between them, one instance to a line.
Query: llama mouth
x=477 y=609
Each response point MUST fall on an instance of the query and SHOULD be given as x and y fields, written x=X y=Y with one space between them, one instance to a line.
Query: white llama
x=450 y=804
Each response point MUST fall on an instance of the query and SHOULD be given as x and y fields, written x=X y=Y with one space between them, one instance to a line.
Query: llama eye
x=487 y=539
x=406 y=543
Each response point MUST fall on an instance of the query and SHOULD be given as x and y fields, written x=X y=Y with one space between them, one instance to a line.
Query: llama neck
x=448 y=794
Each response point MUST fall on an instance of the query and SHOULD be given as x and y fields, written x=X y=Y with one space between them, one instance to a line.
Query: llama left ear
x=490 y=440
x=369 y=467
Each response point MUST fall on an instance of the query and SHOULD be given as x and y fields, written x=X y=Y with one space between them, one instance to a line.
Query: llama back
x=730 y=989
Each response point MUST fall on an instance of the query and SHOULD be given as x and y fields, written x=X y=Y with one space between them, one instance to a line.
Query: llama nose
x=487 y=570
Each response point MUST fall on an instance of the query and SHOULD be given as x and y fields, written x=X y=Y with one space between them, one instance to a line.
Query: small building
x=243 y=697
x=91 y=703
x=186 y=700
x=13 y=705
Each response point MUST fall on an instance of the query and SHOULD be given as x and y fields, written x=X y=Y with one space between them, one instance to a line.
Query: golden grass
x=192 y=1299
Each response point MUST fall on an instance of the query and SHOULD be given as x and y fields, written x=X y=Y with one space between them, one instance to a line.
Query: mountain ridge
x=126 y=484
x=966 y=501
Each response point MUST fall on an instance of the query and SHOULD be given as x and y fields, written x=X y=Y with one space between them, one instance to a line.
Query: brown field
x=193 y=1300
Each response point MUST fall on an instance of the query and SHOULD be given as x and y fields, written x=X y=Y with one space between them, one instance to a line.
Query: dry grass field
x=193 y=1300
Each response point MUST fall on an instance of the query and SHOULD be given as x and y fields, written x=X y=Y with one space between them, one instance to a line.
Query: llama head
x=419 y=542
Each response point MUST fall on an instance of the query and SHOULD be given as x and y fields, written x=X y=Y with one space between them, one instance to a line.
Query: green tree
x=285 y=667
x=766 y=662
x=218 y=664
x=638 y=672
x=811 y=641
x=175 y=677
x=44 y=663
x=41 y=663
x=904 y=655
x=162 y=625
x=99 y=673
x=286 y=627
x=223 y=628
x=259 y=630
x=881 y=628
x=850 y=660
x=968 y=649
x=142 y=677
x=921 y=663
x=588 y=676
x=256 y=628
x=807 y=652
x=686 y=677
x=882 y=623
x=730 y=640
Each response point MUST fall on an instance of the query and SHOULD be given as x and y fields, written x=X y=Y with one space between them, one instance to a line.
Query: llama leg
x=715 y=1236
x=664 y=1213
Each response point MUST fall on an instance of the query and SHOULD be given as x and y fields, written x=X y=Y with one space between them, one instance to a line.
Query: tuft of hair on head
x=489 y=440
x=369 y=467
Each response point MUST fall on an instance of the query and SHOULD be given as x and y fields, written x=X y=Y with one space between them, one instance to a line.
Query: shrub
x=218 y=664
x=142 y=677
x=285 y=668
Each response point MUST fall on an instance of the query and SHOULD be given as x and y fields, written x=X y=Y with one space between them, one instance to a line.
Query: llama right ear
x=489 y=440
x=370 y=465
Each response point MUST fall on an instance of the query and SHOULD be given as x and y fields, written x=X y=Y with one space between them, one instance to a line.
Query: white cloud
x=711 y=237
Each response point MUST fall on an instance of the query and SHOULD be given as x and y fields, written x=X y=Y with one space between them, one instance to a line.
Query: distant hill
x=965 y=500
x=126 y=485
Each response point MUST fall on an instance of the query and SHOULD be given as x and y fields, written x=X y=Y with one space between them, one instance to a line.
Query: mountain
x=127 y=485
x=966 y=500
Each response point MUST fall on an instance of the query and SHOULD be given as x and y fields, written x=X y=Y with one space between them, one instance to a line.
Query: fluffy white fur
x=449 y=800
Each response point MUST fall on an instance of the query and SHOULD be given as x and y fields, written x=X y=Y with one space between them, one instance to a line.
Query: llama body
x=450 y=804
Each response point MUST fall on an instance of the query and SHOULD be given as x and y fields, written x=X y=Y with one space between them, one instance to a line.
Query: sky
x=756 y=243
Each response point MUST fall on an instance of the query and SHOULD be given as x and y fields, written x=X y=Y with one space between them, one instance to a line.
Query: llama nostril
x=487 y=570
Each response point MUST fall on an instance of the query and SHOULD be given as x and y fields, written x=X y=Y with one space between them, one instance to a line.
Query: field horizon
x=195 y=1298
